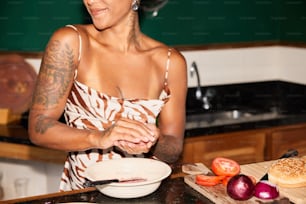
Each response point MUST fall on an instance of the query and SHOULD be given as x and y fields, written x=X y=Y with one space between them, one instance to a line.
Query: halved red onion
x=266 y=190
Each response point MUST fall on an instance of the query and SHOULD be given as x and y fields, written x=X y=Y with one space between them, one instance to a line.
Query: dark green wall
x=214 y=22
x=26 y=25
x=293 y=21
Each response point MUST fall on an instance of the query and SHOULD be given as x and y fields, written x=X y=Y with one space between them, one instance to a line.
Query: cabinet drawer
x=279 y=141
x=244 y=147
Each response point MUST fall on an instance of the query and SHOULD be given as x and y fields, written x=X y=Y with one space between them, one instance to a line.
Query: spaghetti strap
x=167 y=67
x=80 y=40
x=80 y=47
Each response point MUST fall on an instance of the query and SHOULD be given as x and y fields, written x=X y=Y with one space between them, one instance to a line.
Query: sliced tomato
x=225 y=167
x=225 y=180
x=205 y=180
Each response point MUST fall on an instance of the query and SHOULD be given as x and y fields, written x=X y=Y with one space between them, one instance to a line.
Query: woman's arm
x=54 y=82
x=53 y=85
x=171 y=121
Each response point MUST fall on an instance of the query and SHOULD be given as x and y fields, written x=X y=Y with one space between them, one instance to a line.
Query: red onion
x=266 y=190
x=240 y=187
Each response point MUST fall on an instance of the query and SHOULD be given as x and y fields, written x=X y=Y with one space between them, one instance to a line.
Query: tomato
x=225 y=180
x=225 y=167
x=205 y=180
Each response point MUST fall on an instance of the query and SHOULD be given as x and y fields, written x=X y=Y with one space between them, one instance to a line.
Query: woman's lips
x=97 y=11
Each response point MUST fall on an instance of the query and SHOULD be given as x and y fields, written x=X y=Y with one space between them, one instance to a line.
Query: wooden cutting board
x=218 y=193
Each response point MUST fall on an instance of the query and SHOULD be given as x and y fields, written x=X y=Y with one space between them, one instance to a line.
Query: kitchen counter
x=264 y=104
x=195 y=128
x=172 y=190
x=17 y=133
x=15 y=144
x=283 y=103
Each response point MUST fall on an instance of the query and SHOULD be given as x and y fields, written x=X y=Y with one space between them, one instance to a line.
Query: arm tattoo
x=56 y=71
x=43 y=124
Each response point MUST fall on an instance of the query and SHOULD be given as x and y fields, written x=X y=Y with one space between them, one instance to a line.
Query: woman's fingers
x=133 y=148
x=133 y=131
x=132 y=136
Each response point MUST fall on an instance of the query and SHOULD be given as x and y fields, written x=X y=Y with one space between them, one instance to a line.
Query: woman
x=112 y=83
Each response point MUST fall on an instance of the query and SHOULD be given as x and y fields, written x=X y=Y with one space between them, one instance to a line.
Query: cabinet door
x=290 y=138
x=244 y=147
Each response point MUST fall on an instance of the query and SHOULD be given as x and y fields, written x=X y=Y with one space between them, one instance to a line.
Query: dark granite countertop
x=199 y=129
x=171 y=191
x=271 y=104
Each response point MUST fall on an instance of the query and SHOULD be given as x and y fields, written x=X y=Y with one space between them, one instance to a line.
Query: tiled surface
x=231 y=66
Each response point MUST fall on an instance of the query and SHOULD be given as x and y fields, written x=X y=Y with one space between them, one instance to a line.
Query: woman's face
x=107 y=13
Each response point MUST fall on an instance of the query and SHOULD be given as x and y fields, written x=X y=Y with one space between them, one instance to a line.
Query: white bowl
x=153 y=171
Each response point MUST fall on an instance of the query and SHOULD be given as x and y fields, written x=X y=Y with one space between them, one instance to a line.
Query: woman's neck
x=124 y=37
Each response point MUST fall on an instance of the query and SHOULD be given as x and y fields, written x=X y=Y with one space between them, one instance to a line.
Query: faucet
x=194 y=70
x=199 y=95
x=207 y=98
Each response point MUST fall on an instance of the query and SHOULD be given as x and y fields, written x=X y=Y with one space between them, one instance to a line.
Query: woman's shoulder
x=64 y=34
x=70 y=32
x=164 y=52
x=67 y=39
x=161 y=50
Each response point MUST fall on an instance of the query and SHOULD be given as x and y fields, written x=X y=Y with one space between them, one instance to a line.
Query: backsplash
x=241 y=65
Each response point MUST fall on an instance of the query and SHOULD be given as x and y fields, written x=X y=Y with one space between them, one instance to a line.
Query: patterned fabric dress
x=86 y=108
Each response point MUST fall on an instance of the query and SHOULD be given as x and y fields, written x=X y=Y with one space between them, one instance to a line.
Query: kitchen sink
x=227 y=117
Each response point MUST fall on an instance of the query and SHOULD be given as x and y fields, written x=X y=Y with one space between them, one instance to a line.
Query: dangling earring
x=135 y=5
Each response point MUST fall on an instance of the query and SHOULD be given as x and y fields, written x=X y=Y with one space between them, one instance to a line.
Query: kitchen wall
x=220 y=66
x=241 y=65
x=26 y=25
x=292 y=63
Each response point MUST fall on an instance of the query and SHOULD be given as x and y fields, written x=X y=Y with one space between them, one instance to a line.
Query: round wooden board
x=17 y=81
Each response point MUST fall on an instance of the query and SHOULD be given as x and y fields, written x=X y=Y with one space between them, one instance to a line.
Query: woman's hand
x=132 y=136
x=141 y=147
